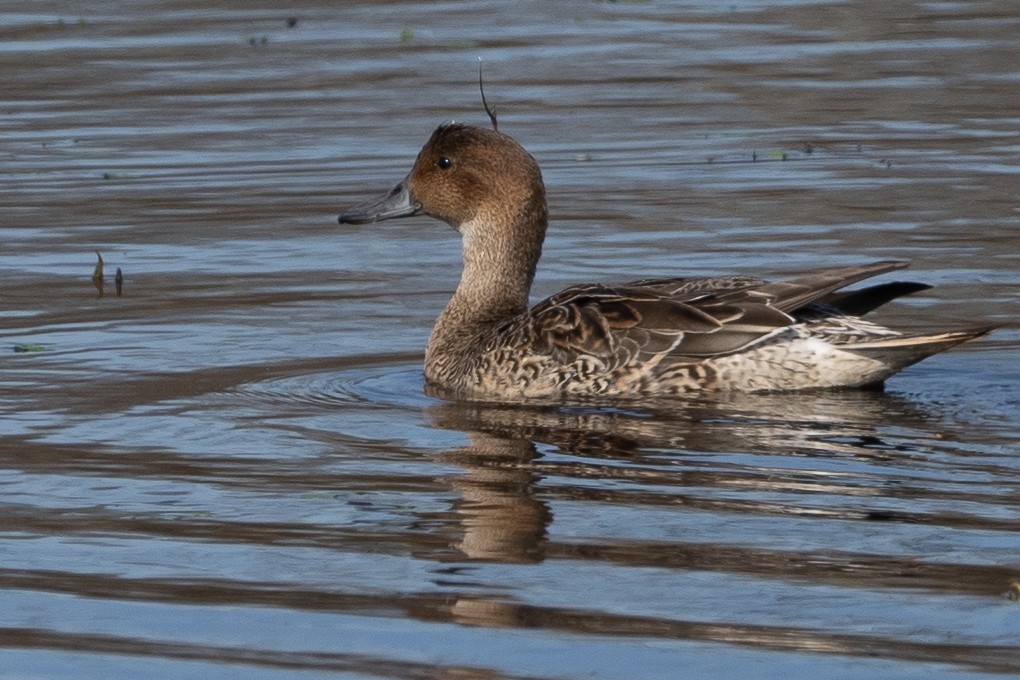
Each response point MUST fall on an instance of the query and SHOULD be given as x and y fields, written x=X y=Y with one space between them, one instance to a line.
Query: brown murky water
x=230 y=470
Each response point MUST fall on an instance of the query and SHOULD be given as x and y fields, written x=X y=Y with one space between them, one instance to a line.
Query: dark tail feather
x=860 y=302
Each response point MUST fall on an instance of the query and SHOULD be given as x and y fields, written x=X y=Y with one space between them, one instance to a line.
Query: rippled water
x=231 y=469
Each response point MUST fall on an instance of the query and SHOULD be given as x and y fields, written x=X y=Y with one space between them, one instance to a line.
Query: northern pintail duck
x=643 y=338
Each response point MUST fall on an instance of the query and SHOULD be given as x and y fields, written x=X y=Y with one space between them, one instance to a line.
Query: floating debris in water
x=28 y=347
x=1014 y=591
x=98 y=280
x=97 y=275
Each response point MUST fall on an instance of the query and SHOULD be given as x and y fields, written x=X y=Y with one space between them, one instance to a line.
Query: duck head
x=464 y=176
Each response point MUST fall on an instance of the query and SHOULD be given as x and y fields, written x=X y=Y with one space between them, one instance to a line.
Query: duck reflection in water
x=504 y=517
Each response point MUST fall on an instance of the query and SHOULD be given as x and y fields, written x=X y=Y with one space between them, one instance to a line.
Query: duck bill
x=397 y=202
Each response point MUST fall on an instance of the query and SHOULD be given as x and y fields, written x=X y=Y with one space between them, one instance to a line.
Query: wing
x=688 y=318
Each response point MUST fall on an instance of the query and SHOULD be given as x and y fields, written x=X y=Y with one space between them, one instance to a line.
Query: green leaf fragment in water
x=27 y=347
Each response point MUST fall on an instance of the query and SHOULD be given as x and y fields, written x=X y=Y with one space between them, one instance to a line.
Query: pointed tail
x=902 y=351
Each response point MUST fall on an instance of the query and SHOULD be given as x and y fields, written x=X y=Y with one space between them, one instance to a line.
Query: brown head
x=465 y=176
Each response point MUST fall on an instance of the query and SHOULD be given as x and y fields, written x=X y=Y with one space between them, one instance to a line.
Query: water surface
x=231 y=469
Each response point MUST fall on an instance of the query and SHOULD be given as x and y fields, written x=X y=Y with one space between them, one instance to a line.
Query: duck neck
x=499 y=266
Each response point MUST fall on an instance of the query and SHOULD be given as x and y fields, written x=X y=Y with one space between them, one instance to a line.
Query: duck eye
x=444 y=163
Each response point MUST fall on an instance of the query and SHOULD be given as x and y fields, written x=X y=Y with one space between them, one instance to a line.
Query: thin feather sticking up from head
x=490 y=111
